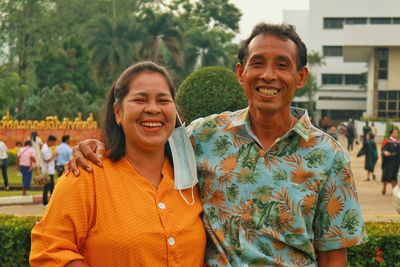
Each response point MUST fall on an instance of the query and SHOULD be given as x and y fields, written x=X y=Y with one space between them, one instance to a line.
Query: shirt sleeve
x=338 y=222
x=61 y=233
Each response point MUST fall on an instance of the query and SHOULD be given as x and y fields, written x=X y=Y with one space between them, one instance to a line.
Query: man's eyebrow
x=256 y=56
x=284 y=58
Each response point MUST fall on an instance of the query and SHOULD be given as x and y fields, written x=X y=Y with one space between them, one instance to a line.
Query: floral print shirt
x=273 y=207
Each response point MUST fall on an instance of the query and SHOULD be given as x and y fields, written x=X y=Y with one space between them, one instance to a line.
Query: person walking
x=63 y=154
x=350 y=135
x=371 y=155
x=25 y=160
x=48 y=166
x=390 y=160
x=366 y=129
x=3 y=163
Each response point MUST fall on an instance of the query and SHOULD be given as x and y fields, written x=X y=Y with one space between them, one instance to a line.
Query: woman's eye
x=139 y=100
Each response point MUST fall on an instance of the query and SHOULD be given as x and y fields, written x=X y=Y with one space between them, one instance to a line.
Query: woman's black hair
x=113 y=134
x=33 y=136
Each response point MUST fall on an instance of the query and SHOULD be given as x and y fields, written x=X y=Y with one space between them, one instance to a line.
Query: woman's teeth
x=151 y=124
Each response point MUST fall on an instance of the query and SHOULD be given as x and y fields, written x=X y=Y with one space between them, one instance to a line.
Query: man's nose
x=269 y=73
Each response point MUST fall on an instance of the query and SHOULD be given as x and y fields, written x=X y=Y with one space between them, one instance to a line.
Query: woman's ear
x=117 y=114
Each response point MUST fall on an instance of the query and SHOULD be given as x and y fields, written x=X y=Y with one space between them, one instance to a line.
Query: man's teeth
x=268 y=91
x=151 y=124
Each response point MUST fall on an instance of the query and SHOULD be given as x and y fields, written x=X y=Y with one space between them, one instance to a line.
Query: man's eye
x=282 y=65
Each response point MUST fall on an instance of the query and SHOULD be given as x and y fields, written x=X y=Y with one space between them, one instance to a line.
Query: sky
x=254 y=11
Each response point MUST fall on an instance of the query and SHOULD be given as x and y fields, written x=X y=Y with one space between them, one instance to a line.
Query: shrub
x=15 y=239
x=381 y=250
x=207 y=91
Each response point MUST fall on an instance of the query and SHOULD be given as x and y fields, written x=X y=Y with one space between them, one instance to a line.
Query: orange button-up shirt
x=116 y=217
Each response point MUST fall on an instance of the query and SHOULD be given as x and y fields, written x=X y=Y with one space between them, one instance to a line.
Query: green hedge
x=15 y=240
x=383 y=249
x=209 y=90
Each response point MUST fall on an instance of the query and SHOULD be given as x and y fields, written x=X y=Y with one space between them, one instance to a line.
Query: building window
x=333 y=23
x=332 y=51
x=383 y=56
x=356 y=21
x=332 y=78
x=353 y=79
x=396 y=20
x=381 y=20
x=389 y=104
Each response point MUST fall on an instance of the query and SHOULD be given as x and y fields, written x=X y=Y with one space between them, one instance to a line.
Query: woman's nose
x=152 y=107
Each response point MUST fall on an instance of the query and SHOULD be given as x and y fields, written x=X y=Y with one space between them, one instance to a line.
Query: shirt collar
x=303 y=127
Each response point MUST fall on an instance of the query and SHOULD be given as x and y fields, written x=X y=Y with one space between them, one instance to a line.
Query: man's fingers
x=81 y=161
x=74 y=168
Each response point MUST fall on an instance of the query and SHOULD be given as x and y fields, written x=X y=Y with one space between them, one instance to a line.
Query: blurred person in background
x=25 y=160
x=390 y=160
x=48 y=166
x=63 y=153
x=332 y=132
x=3 y=163
x=37 y=146
x=371 y=155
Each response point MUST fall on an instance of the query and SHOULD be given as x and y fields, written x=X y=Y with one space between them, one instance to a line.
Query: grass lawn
x=17 y=193
x=15 y=180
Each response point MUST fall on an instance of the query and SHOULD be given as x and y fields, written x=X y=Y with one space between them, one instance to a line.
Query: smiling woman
x=128 y=212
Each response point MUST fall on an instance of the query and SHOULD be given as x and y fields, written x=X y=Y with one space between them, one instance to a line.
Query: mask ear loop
x=184 y=198
x=179 y=120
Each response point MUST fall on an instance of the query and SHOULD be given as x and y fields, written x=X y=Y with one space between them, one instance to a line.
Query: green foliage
x=383 y=240
x=207 y=91
x=63 y=102
x=15 y=239
x=11 y=89
x=383 y=245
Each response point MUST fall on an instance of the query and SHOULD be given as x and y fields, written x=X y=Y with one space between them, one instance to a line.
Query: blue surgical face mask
x=185 y=173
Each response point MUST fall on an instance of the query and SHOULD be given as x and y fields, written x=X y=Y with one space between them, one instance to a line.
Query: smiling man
x=276 y=191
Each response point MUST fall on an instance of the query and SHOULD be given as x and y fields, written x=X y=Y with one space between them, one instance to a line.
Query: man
x=48 y=166
x=279 y=192
x=64 y=153
x=3 y=163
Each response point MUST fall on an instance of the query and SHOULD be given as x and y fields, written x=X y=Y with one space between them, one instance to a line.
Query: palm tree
x=315 y=60
x=111 y=45
x=162 y=32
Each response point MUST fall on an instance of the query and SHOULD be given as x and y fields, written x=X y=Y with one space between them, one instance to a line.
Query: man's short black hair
x=283 y=31
x=51 y=138
x=65 y=138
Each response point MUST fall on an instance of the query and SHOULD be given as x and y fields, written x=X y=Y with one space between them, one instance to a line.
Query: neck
x=147 y=163
x=270 y=126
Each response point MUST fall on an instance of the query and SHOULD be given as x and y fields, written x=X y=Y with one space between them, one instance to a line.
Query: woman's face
x=147 y=113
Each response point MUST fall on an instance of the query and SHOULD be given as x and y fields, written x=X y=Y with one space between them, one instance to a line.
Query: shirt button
x=171 y=241
x=161 y=205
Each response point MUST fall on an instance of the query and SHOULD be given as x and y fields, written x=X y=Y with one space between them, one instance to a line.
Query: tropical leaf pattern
x=273 y=207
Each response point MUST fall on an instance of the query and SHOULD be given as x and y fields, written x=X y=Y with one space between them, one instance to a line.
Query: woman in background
x=25 y=160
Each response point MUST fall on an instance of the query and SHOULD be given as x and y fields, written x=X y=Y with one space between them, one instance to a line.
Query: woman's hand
x=90 y=149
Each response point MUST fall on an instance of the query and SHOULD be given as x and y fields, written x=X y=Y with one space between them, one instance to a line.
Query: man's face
x=270 y=76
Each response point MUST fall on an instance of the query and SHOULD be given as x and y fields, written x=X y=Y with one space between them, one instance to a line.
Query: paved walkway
x=375 y=206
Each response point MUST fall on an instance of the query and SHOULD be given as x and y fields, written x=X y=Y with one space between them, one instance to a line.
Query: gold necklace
x=133 y=165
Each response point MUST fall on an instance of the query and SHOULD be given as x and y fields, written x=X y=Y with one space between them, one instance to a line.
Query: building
x=360 y=42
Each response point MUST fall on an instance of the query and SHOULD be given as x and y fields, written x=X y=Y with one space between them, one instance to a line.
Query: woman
x=128 y=212
x=390 y=160
x=37 y=146
x=371 y=155
x=25 y=160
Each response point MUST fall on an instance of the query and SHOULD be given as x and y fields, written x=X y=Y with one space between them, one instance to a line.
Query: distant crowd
x=38 y=160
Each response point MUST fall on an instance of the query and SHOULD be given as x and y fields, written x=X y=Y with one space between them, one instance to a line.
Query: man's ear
x=302 y=76
x=117 y=113
x=239 y=73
